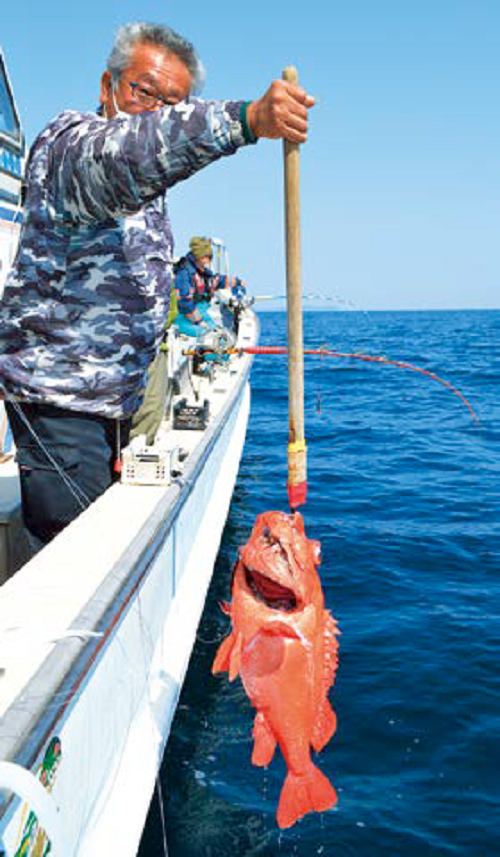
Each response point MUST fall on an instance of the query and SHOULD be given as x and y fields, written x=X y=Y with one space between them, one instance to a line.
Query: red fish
x=283 y=646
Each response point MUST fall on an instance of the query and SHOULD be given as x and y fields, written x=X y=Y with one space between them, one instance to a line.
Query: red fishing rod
x=276 y=350
x=367 y=358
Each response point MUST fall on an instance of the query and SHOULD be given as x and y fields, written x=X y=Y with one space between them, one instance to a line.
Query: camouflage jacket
x=85 y=303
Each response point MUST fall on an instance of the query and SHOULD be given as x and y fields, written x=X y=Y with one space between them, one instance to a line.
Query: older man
x=85 y=304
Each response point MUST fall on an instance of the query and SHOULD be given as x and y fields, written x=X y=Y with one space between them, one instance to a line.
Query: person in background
x=195 y=284
x=232 y=295
x=234 y=285
x=86 y=301
x=238 y=288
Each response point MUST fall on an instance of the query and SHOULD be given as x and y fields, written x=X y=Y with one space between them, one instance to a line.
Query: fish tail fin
x=303 y=793
x=324 y=727
x=223 y=656
x=264 y=741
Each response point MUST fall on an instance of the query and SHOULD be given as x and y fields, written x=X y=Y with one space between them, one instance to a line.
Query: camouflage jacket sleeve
x=107 y=168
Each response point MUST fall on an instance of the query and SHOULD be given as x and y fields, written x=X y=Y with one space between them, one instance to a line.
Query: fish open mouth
x=273 y=594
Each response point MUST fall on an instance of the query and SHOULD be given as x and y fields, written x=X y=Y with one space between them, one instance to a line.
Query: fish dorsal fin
x=330 y=632
x=326 y=721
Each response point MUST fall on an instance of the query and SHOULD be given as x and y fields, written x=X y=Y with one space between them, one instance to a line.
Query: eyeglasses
x=146 y=98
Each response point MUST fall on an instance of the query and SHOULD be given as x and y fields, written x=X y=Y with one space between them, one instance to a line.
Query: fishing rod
x=276 y=350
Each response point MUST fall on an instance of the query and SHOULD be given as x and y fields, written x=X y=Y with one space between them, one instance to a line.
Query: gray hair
x=130 y=35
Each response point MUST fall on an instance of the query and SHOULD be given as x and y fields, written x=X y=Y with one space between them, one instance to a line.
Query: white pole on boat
x=297 y=465
x=226 y=259
x=217 y=243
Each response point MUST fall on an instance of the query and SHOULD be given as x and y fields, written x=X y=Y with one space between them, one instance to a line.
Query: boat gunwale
x=70 y=663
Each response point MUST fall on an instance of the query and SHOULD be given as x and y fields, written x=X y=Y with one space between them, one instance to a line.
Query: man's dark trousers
x=66 y=460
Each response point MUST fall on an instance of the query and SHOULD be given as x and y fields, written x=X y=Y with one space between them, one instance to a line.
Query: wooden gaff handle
x=297 y=470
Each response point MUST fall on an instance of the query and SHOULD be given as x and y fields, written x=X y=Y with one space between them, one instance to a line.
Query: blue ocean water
x=403 y=495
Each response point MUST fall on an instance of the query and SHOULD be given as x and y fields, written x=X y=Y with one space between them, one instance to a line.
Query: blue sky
x=401 y=175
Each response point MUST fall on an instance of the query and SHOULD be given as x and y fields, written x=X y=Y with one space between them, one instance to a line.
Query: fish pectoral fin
x=264 y=741
x=222 y=658
x=324 y=726
x=228 y=656
x=235 y=657
x=302 y=793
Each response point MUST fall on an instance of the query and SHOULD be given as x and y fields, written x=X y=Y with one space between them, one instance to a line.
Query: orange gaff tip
x=297 y=494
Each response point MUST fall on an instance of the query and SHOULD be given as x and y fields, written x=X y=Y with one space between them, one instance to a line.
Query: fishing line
x=319 y=397
x=78 y=493
x=358 y=355
x=146 y=636
x=217 y=639
x=316 y=296
x=73 y=487
x=401 y=364
x=190 y=379
x=127 y=668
